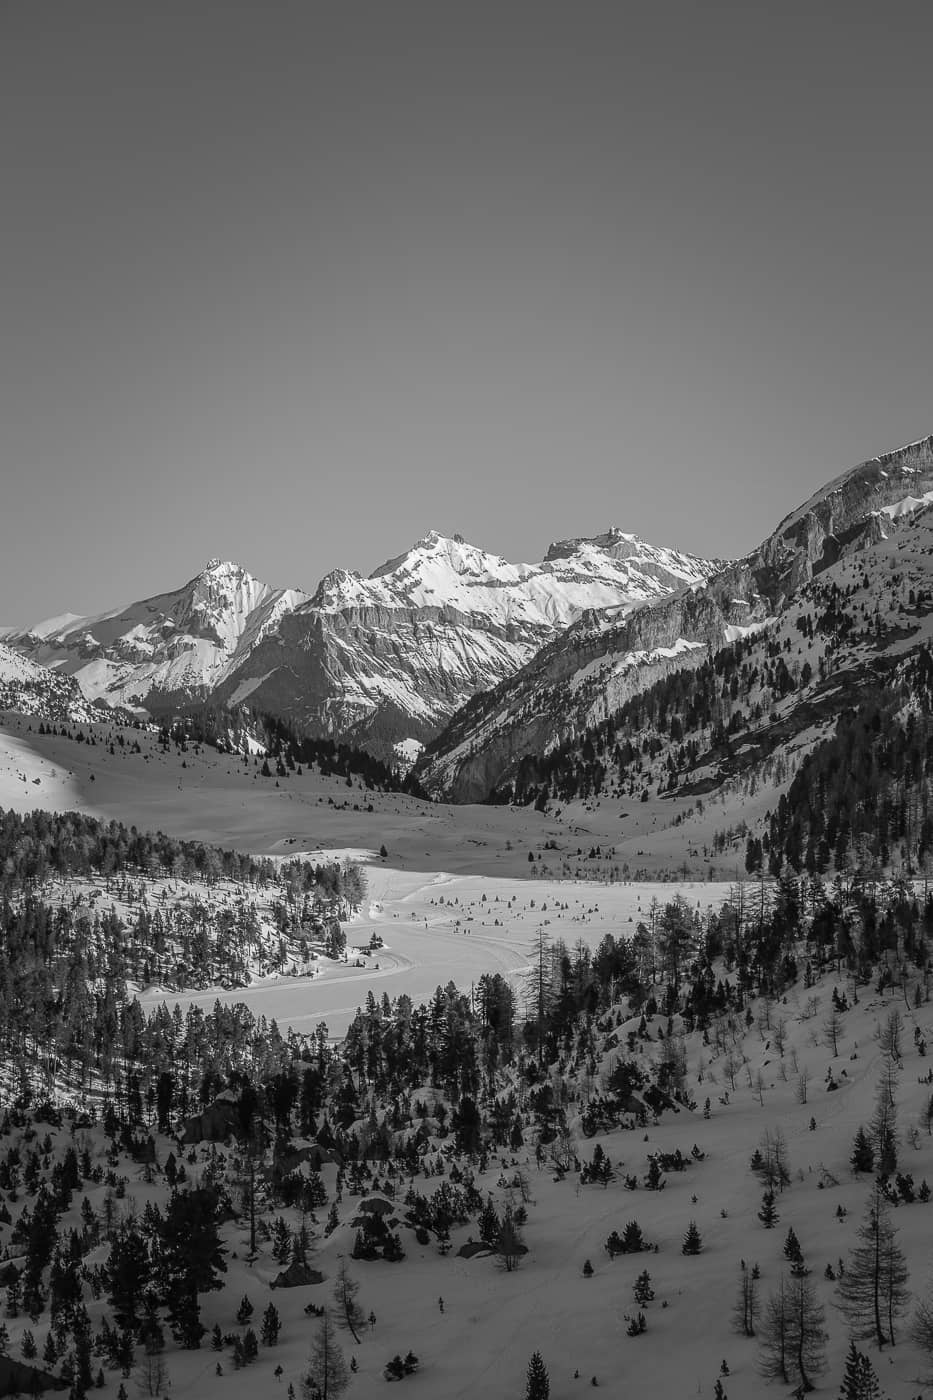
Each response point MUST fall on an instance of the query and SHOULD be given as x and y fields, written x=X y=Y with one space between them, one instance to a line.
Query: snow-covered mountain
x=392 y=656
x=585 y=676
x=381 y=659
x=167 y=650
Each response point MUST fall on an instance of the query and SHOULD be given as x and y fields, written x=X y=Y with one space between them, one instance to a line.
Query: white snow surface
x=907 y=506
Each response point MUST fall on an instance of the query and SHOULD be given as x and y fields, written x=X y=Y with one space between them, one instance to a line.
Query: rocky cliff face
x=586 y=674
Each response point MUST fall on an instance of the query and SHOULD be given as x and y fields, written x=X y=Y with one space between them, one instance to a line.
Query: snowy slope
x=31 y=689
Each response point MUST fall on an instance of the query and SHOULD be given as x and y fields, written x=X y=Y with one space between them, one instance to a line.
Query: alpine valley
x=492 y=978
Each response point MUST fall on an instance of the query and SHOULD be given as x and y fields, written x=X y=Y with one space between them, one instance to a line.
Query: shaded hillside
x=588 y=675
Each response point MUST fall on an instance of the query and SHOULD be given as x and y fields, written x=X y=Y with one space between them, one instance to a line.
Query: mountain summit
x=164 y=651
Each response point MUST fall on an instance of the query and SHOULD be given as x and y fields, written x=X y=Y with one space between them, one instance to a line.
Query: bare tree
x=807 y=1331
x=921 y=1327
x=792 y=1336
x=890 y=1036
x=509 y=1246
x=883 y=1127
x=345 y=1291
x=747 y=1304
x=152 y=1375
x=832 y=1028
x=775 y=1336
x=774 y=1168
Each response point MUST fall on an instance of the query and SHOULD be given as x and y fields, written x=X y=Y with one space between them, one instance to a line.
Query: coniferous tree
x=883 y=1128
x=693 y=1242
x=271 y=1326
x=807 y=1332
x=537 y=1384
x=872 y=1292
x=747 y=1305
x=859 y=1381
x=863 y=1154
x=774 y=1335
x=768 y=1214
x=349 y=1312
x=792 y=1246
x=193 y=1259
x=509 y=1246
x=129 y=1270
x=327 y=1375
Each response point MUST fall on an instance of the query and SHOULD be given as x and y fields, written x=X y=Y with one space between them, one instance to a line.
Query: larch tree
x=883 y=1127
x=328 y=1375
x=774 y=1335
x=807 y=1331
x=345 y=1290
x=921 y=1327
x=747 y=1304
x=872 y=1292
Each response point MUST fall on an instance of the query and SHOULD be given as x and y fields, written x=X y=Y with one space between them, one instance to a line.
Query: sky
x=293 y=284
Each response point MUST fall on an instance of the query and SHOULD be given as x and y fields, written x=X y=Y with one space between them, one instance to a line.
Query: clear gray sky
x=294 y=283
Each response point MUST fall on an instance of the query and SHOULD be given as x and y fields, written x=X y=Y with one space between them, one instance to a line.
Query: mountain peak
x=223 y=568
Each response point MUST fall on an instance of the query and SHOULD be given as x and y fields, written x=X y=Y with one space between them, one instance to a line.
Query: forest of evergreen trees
x=288 y=748
x=862 y=798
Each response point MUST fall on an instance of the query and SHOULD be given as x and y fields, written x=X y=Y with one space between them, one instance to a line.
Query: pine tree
x=538 y=1385
x=271 y=1326
x=193 y=1257
x=693 y=1243
x=281 y=1241
x=792 y=1246
x=633 y=1241
x=488 y=1223
x=863 y=1154
x=768 y=1214
x=873 y=1290
x=244 y=1312
x=859 y=1381
x=642 y=1289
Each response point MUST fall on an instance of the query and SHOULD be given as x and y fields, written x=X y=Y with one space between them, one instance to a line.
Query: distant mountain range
x=380 y=660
